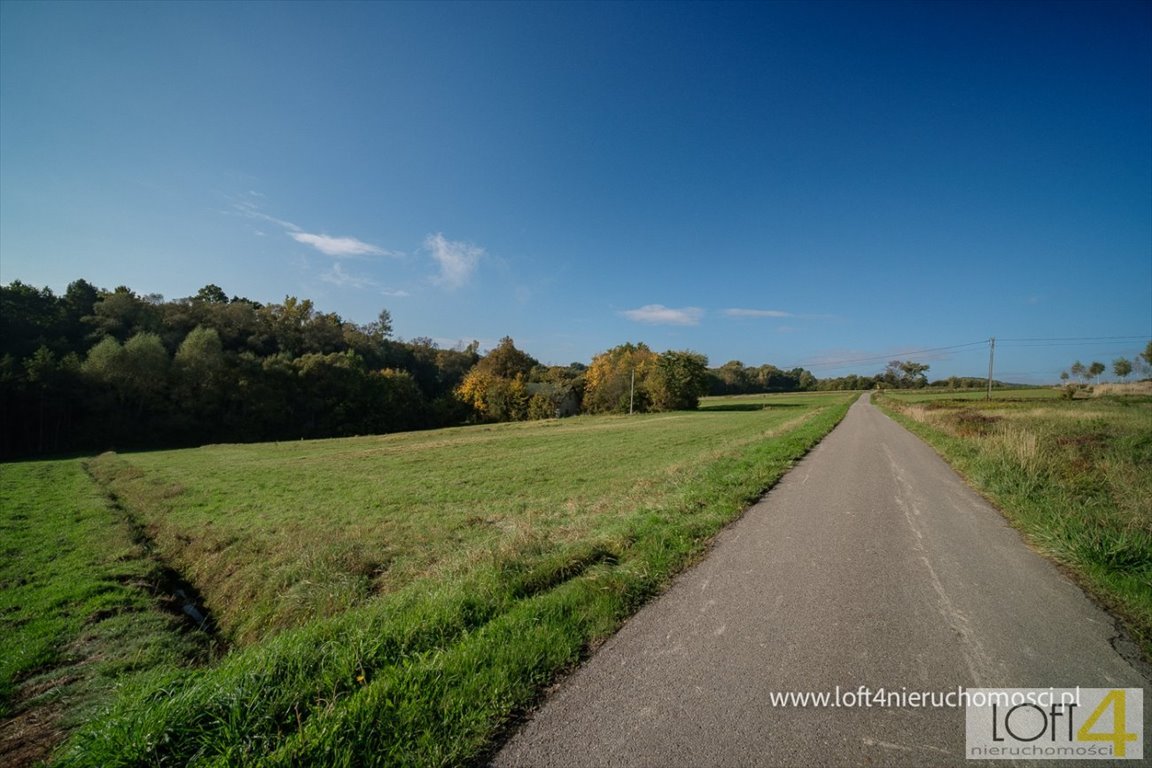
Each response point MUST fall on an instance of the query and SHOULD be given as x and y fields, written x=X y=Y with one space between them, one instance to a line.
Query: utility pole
x=632 y=392
x=991 y=355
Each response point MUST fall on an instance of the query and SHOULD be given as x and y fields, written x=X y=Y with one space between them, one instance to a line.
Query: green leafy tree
x=841 y=383
x=677 y=381
x=29 y=319
x=104 y=361
x=769 y=378
x=53 y=388
x=419 y=357
x=1122 y=367
x=906 y=374
x=1078 y=370
x=395 y=402
x=732 y=378
x=200 y=367
x=201 y=355
x=79 y=301
x=211 y=294
x=323 y=333
x=242 y=327
x=381 y=328
x=121 y=314
x=332 y=395
x=135 y=375
x=913 y=374
x=1095 y=369
x=286 y=323
x=145 y=369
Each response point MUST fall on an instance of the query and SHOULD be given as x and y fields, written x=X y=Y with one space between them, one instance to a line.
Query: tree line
x=94 y=369
x=1122 y=368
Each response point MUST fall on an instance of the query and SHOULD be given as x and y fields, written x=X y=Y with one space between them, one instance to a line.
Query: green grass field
x=1074 y=476
x=998 y=395
x=78 y=608
x=383 y=600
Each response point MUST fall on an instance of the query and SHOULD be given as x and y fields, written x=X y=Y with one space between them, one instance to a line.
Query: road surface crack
x=975 y=657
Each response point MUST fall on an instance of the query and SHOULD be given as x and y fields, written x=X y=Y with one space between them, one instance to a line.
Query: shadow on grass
x=749 y=407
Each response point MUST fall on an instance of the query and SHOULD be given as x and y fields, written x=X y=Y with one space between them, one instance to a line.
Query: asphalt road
x=870 y=564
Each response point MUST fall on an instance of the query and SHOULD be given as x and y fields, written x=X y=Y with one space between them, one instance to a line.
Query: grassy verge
x=999 y=395
x=79 y=607
x=398 y=600
x=1075 y=476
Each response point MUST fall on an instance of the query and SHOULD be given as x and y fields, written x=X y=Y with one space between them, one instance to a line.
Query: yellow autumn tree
x=495 y=387
x=609 y=386
x=495 y=398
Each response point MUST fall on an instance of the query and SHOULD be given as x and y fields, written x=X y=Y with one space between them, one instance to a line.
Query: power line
x=1096 y=348
x=1081 y=338
x=845 y=362
x=1099 y=344
x=1014 y=343
x=1093 y=346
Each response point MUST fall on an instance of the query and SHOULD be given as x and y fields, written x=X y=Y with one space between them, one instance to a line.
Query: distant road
x=870 y=564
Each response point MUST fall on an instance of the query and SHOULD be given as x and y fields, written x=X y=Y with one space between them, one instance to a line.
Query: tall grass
x=507 y=551
x=79 y=606
x=1075 y=476
x=998 y=395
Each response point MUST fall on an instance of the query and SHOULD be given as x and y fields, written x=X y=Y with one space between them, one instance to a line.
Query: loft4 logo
x=1119 y=736
x=1054 y=723
x=1040 y=722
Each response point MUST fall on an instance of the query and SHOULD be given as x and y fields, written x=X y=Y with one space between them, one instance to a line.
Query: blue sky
x=800 y=184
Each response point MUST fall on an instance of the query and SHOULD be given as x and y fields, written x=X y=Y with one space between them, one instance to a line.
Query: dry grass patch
x=1133 y=388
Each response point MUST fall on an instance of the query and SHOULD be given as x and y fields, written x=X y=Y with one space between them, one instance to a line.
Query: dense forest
x=94 y=369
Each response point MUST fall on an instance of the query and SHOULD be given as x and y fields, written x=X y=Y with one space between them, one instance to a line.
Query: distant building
x=564 y=400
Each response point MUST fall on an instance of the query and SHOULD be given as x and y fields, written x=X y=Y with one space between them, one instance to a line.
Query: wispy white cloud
x=775 y=313
x=338 y=247
x=455 y=260
x=735 y=312
x=250 y=210
x=394 y=293
x=338 y=277
x=658 y=314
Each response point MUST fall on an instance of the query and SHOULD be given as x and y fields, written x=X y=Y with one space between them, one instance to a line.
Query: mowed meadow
x=365 y=601
x=1073 y=475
